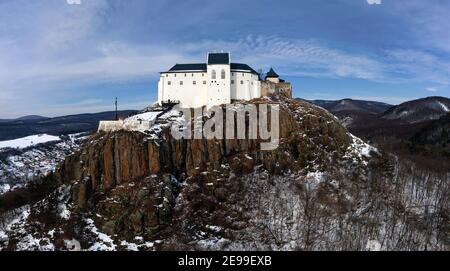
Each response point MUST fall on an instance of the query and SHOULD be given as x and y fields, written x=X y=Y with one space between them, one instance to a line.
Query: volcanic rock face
x=150 y=191
x=110 y=160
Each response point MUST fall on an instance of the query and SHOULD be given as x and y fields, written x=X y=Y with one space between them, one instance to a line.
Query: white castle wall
x=113 y=126
x=244 y=86
x=190 y=88
x=196 y=88
x=219 y=91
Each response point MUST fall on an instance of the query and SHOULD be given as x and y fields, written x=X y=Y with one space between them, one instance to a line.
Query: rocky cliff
x=137 y=190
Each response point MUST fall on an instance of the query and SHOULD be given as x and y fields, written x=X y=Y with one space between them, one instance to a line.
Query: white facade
x=189 y=88
x=245 y=86
x=213 y=83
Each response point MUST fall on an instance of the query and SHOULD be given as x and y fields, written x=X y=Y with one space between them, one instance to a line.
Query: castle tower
x=218 y=70
x=272 y=76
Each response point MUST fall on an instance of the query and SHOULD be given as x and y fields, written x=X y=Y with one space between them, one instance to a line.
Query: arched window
x=213 y=74
x=222 y=74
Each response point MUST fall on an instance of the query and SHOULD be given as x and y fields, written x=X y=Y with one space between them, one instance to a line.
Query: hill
x=321 y=189
x=32 y=117
x=420 y=110
x=434 y=138
x=32 y=125
x=416 y=130
x=344 y=105
x=353 y=111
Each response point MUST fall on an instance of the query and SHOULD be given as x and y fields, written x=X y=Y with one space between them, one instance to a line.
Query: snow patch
x=148 y=116
x=358 y=150
x=3 y=236
x=444 y=107
x=373 y=245
x=103 y=241
x=25 y=142
x=313 y=179
x=130 y=246
x=72 y=245
x=21 y=167
x=63 y=198
x=4 y=188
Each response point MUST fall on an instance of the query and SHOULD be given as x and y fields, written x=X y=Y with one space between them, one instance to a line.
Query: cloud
x=419 y=66
x=116 y=61
x=56 y=50
x=425 y=21
x=73 y=2
x=374 y=2
x=125 y=62
x=295 y=57
x=431 y=89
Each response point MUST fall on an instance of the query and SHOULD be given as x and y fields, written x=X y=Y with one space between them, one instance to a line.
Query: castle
x=216 y=82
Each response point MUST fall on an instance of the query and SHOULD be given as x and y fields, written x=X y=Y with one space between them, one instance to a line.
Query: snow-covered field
x=29 y=162
x=25 y=142
x=148 y=116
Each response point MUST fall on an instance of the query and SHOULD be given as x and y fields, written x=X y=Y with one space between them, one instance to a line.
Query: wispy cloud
x=121 y=62
x=419 y=66
x=294 y=57
x=374 y=2
x=73 y=2
x=62 y=52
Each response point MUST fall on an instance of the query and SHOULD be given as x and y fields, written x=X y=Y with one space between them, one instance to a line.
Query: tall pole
x=116 y=110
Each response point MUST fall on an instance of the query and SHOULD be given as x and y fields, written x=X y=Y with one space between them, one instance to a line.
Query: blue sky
x=58 y=58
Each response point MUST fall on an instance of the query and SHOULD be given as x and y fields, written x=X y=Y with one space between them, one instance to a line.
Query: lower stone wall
x=113 y=126
x=268 y=88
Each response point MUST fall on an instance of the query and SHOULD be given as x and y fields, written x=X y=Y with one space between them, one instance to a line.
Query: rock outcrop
x=321 y=185
x=112 y=162
x=111 y=159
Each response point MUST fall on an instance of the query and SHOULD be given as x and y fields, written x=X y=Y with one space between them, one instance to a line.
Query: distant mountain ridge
x=350 y=105
x=29 y=117
x=417 y=126
x=32 y=125
x=32 y=117
x=429 y=108
x=360 y=113
x=435 y=137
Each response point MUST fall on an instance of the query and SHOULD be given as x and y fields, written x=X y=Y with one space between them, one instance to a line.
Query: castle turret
x=272 y=76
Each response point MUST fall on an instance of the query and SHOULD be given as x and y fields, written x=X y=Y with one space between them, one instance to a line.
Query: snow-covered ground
x=444 y=107
x=25 y=142
x=148 y=116
x=20 y=166
x=359 y=150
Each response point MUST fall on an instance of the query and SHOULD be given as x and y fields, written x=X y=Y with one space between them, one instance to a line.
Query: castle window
x=242 y=75
x=169 y=83
x=175 y=75
x=203 y=75
x=213 y=74
x=192 y=75
x=232 y=82
x=232 y=73
x=184 y=75
x=222 y=74
x=167 y=75
x=194 y=83
x=242 y=82
x=181 y=82
x=204 y=82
